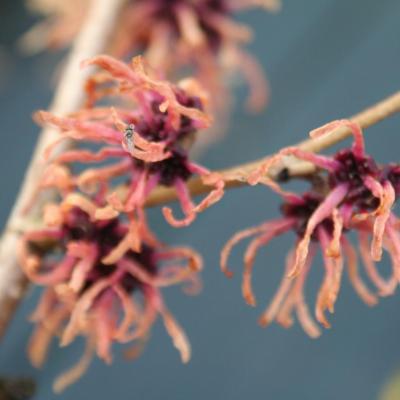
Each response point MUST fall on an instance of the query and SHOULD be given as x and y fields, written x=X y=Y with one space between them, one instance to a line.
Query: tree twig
x=69 y=96
x=291 y=166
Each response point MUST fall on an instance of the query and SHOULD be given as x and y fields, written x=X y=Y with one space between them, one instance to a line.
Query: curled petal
x=72 y=375
x=45 y=305
x=88 y=180
x=177 y=334
x=189 y=25
x=88 y=255
x=193 y=88
x=79 y=318
x=303 y=314
x=386 y=288
x=106 y=114
x=31 y=262
x=171 y=275
x=59 y=177
x=323 y=303
x=272 y=310
x=358 y=145
x=136 y=77
x=215 y=195
x=104 y=324
x=139 y=190
x=233 y=241
x=131 y=241
x=258 y=85
x=117 y=69
x=285 y=314
x=77 y=129
x=186 y=204
x=175 y=274
x=80 y=201
x=85 y=156
x=57 y=274
x=229 y=28
x=381 y=219
x=334 y=247
x=194 y=260
x=251 y=252
x=325 y=299
x=40 y=340
x=145 y=321
x=137 y=349
x=323 y=211
x=130 y=310
x=106 y=213
x=53 y=215
x=336 y=268
x=175 y=109
x=392 y=244
x=355 y=279
x=189 y=209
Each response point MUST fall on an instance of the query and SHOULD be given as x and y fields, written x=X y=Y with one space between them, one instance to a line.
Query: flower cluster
x=150 y=140
x=355 y=195
x=100 y=283
x=101 y=264
x=202 y=34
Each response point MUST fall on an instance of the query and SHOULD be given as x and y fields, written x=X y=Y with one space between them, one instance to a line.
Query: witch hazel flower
x=290 y=297
x=100 y=284
x=356 y=195
x=202 y=34
x=150 y=142
x=359 y=190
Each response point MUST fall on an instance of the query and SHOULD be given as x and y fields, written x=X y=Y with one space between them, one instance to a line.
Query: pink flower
x=62 y=22
x=100 y=283
x=173 y=34
x=150 y=141
x=360 y=190
x=355 y=194
x=201 y=34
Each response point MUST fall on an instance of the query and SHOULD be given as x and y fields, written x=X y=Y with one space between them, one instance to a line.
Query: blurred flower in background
x=100 y=283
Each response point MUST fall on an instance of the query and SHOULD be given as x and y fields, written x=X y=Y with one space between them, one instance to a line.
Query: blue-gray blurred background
x=325 y=59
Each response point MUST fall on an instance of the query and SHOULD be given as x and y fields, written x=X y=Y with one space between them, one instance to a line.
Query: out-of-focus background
x=325 y=59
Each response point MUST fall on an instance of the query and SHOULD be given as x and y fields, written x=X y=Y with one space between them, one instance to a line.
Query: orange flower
x=100 y=283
